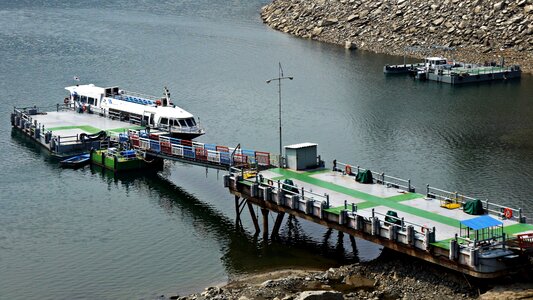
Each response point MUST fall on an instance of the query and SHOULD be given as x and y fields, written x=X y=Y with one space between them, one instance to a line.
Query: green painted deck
x=395 y=202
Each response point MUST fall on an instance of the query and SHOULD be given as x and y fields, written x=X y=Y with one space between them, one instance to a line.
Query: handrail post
x=345 y=204
x=327 y=200
x=383 y=178
x=409 y=185
x=354 y=209
x=427 y=190
x=373 y=214
x=519 y=215
x=302 y=192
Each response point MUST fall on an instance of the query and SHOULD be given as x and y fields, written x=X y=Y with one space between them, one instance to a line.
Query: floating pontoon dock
x=388 y=212
x=65 y=132
x=385 y=209
x=441 y=70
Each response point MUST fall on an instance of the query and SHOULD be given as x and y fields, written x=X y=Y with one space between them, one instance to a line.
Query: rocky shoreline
x=392 y=276
x=479 y=30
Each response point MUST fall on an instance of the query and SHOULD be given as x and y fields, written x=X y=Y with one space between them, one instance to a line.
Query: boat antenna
x=166 y=94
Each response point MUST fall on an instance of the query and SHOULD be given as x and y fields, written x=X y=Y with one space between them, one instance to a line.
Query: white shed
x=301 y=156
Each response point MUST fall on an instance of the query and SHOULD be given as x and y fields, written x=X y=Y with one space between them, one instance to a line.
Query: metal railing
x=378 y=177
x=198 y=151
x=140 y=95
x=304 y=194
x=490 y=207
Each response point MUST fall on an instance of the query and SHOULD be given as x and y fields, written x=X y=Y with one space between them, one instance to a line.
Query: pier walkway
x=419 y=225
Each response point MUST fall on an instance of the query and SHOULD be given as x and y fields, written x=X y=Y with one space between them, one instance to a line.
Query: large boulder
x=320 y=295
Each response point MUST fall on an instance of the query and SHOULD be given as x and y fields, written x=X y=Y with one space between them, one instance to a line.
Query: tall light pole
x=279 y=79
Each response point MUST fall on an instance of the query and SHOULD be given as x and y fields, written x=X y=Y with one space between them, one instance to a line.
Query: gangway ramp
x=200 y=154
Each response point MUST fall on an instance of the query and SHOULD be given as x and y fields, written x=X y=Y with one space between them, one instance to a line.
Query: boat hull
x=185 y=136
x=114 y=163
x=76 y=161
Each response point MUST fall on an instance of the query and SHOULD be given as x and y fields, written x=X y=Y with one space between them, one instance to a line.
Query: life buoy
x=270 y=182
x=84 y=108
x=66 y=101
x=508 y=213
x=348 y=169
x=424 y=228
x=158 y=102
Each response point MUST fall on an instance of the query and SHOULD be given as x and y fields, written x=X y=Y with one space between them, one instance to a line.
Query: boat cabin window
x=83 y=99
x=190 y=122
x=176 y=123
x=91 y=101
x=163 y=121
x=182 y=123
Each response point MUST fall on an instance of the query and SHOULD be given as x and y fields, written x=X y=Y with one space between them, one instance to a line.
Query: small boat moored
x=77 y=161
x=122 y=160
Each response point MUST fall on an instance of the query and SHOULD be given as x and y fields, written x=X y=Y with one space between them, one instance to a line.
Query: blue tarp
x=481 y=222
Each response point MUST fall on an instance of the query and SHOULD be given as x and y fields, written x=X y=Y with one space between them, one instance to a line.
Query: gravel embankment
x=392 y=276
x=480 y=30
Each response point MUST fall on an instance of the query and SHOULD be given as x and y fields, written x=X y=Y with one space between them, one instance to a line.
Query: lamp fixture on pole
x=279 y=79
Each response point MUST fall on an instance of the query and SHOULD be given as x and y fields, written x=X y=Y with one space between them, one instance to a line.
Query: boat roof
x=94 y=91
x=176 y=112
x=86 y=89
x=301 y=145
x=435 y=58
x=481 y=222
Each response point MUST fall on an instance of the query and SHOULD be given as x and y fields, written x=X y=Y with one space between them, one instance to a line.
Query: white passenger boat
x=136 y=108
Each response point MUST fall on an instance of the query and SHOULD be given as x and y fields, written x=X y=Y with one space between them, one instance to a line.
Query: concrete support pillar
x=237 y=212
x=277 y=225
x=392 y=232
x=359 y=222
x=411 y=235
x=375 y=226
x=427 y=239
x=264 y=212
x=453 y=250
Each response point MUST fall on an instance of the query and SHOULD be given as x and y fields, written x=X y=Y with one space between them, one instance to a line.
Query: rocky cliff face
x=479 y=30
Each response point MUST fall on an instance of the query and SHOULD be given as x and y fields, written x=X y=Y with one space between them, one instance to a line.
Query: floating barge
x=65 y=132
x=441 y=70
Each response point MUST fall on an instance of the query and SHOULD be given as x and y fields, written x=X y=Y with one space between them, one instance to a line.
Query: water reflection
x=242 y=251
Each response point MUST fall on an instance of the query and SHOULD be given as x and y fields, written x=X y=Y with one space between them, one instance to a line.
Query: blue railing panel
x=188 y=152
x=154 y=146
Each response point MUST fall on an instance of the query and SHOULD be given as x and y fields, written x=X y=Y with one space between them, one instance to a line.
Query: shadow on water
x=33 y=147
x=243 y=252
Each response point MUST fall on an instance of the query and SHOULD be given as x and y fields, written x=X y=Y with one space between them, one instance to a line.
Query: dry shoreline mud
x=479 y=30
x=391 y=276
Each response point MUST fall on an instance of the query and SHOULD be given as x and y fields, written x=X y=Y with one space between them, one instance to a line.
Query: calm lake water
x=87 y=234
